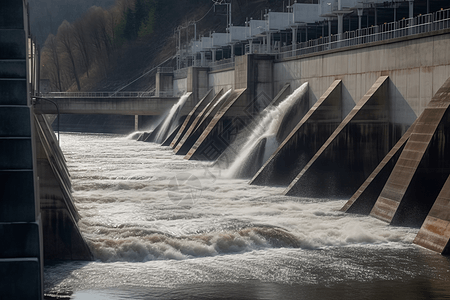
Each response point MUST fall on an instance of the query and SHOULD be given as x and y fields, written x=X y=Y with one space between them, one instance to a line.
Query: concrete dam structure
x=369 y=123
x=372 y=128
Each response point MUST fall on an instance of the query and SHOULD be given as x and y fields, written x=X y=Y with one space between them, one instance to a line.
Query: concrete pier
x=198 y=125
x=365 y=197
x=216 y=137
x=435 y=231
x=304 y=141
x=422 y=169
x=21 y=249
x=191 y=118
x=352 y=152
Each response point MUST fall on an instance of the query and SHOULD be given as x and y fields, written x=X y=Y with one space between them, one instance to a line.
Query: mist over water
x=161 y=227
x=261 y=143
x=170 y=122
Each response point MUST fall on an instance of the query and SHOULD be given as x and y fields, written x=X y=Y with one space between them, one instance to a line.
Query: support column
x=340 y=25
x=136 y=123
x=360 y=14
x=352 y=151
x=411 y=8
x=422 y=168
x=294 y=38
x=202 y=58
x=329 y=29
x=232 y=52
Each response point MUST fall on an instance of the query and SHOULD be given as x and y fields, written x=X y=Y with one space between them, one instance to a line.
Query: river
x=161 y=227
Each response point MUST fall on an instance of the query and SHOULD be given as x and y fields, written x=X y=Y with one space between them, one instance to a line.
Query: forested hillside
x=47 y=15
x=104 y=49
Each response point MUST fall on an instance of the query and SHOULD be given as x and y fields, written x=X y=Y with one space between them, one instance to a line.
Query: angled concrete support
x=191 y=117
x=230 y=153
x=199 y=124
x=174 y=132
x=216 y=137
x=365 y=197
x=422 y=168
x=62 y=238
x=163 y=130
x=303 y=142
x=352 y=152
x=435 y=231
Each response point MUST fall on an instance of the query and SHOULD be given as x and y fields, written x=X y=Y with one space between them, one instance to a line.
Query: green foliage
x=119 y=32
x=147 y=26
x=137 y=22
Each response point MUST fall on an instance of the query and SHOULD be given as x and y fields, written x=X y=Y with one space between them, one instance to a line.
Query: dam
x=242 y=188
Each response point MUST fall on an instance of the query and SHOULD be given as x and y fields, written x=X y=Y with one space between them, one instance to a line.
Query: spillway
x=264 y=139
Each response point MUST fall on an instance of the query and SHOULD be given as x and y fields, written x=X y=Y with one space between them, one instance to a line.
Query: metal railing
x=98 y=94
x=406 y=27
x=221 y=64
x=164 y=69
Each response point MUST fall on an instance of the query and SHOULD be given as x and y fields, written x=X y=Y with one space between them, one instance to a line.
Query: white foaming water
x=222 y=231
x=130 y=208
x=266 y=128
x=169 y=122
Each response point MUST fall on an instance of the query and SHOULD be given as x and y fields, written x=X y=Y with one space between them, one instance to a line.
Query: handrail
x=407 y=27
x=99 y=94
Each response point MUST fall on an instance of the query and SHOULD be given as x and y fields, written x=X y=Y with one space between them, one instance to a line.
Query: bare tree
x=52 y=61
x=82 y=44
x=65 y=37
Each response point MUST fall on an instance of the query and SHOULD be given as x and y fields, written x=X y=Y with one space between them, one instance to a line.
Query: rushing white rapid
x=140 y=202
x=169 y=122
x=161 y=227
x=263 y=134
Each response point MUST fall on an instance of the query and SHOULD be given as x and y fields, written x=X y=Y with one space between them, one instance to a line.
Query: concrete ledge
x=16 y=154
x=19 y=240
x=12 y=44
x=15 y=122
x=13 y=69
x=17 y=196
x=367 y=45
x=352 y=152
x=20 y=279
x=13 y=92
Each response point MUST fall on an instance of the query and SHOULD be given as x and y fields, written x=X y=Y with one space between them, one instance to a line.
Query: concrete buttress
x=352 y=152
x=303 y=141
x=422 y=169
x=435 y=231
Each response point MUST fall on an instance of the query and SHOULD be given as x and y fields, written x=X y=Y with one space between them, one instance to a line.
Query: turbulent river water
x=161 y=227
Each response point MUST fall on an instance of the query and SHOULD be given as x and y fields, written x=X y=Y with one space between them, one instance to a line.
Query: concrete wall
x=221 y=80
x=179 y=86
x=164 y=84
x=417 y=68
